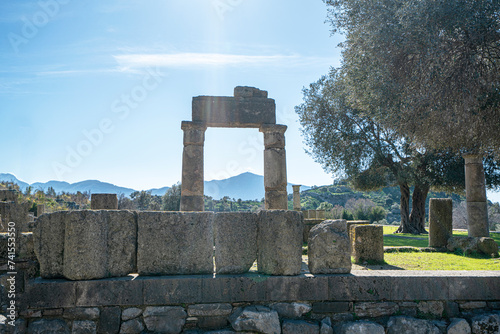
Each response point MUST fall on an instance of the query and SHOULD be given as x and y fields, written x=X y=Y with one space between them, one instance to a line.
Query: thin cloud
x=194 y=59
x=183 y=60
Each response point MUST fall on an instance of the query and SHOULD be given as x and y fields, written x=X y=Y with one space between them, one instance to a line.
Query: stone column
x=440 y=221
x=192 y=166
x=275 y=167
x=477 y=209
x=296 y=198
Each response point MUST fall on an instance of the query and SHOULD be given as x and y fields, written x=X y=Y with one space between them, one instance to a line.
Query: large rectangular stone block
x=235 y=235
x=440 y=221
x=175 y=243
x=221 y=111
x=48 y=238
x=279 y=242
x=99 y=244
x=122 y=242
x=329 y=248
x=85 y=246
x=368 y=243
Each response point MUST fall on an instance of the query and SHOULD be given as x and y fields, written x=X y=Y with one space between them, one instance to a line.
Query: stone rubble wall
x=362 y=302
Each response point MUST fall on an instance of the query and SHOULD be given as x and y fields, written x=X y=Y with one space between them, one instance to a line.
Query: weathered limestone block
x=432 y=308
x=85 y=246
x=368 y=243
x=7 y=195
x=175 y=243
x=209 y=310
x=48 y=238
x=82 y=313
x=440 y=221
x=256 y=319
x=133 y=326
x=131 y=313
x=235 y=235
x=104 y=202
x=351 y=223
x=84 y=327
x=398 y=325
x=16 y=213
x=308 y=225
x=249 y=107
x=279 y=242
x=297 y=326
x=291 y=310
x=48 y=326
x=361 y=327
x=373 y=310
x=165 y=319
x=99 y=244
x=458 y=326
x=329 y=248
x=469 y=245
x=488 y=323
x=122 y=242
x=109 y=321
x=326 y=326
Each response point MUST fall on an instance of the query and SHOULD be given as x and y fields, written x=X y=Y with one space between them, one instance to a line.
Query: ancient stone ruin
x=97 y=266
x=249 y=108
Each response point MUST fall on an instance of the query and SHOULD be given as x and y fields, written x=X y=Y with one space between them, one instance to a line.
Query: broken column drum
x=249 y=108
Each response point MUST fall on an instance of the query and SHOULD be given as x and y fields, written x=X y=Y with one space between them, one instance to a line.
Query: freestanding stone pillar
x=296 y=198
x=104 y=202
x=440 y=221
x=192 y=166
x=275 y=167
x=477 y=209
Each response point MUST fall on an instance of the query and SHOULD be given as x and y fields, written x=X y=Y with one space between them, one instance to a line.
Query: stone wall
x=94 y=244
x=371 y=301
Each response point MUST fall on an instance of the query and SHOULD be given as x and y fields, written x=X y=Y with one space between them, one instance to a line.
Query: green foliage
x=426 y=68
x=171 y=201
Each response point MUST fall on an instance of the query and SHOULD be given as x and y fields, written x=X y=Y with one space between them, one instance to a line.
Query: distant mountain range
x=247 y=186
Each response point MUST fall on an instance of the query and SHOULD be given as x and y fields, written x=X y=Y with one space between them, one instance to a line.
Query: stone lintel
x=239 y=112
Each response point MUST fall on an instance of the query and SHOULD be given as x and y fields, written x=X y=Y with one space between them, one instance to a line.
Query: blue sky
x=98 y=90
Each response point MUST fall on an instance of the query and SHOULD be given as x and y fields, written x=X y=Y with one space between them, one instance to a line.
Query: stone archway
x=249 y=108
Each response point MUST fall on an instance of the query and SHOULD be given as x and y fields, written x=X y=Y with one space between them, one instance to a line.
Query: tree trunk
x=405 y=209
x=417 y=216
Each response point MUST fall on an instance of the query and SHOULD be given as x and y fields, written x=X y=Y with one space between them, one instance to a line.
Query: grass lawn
x=433 y=261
